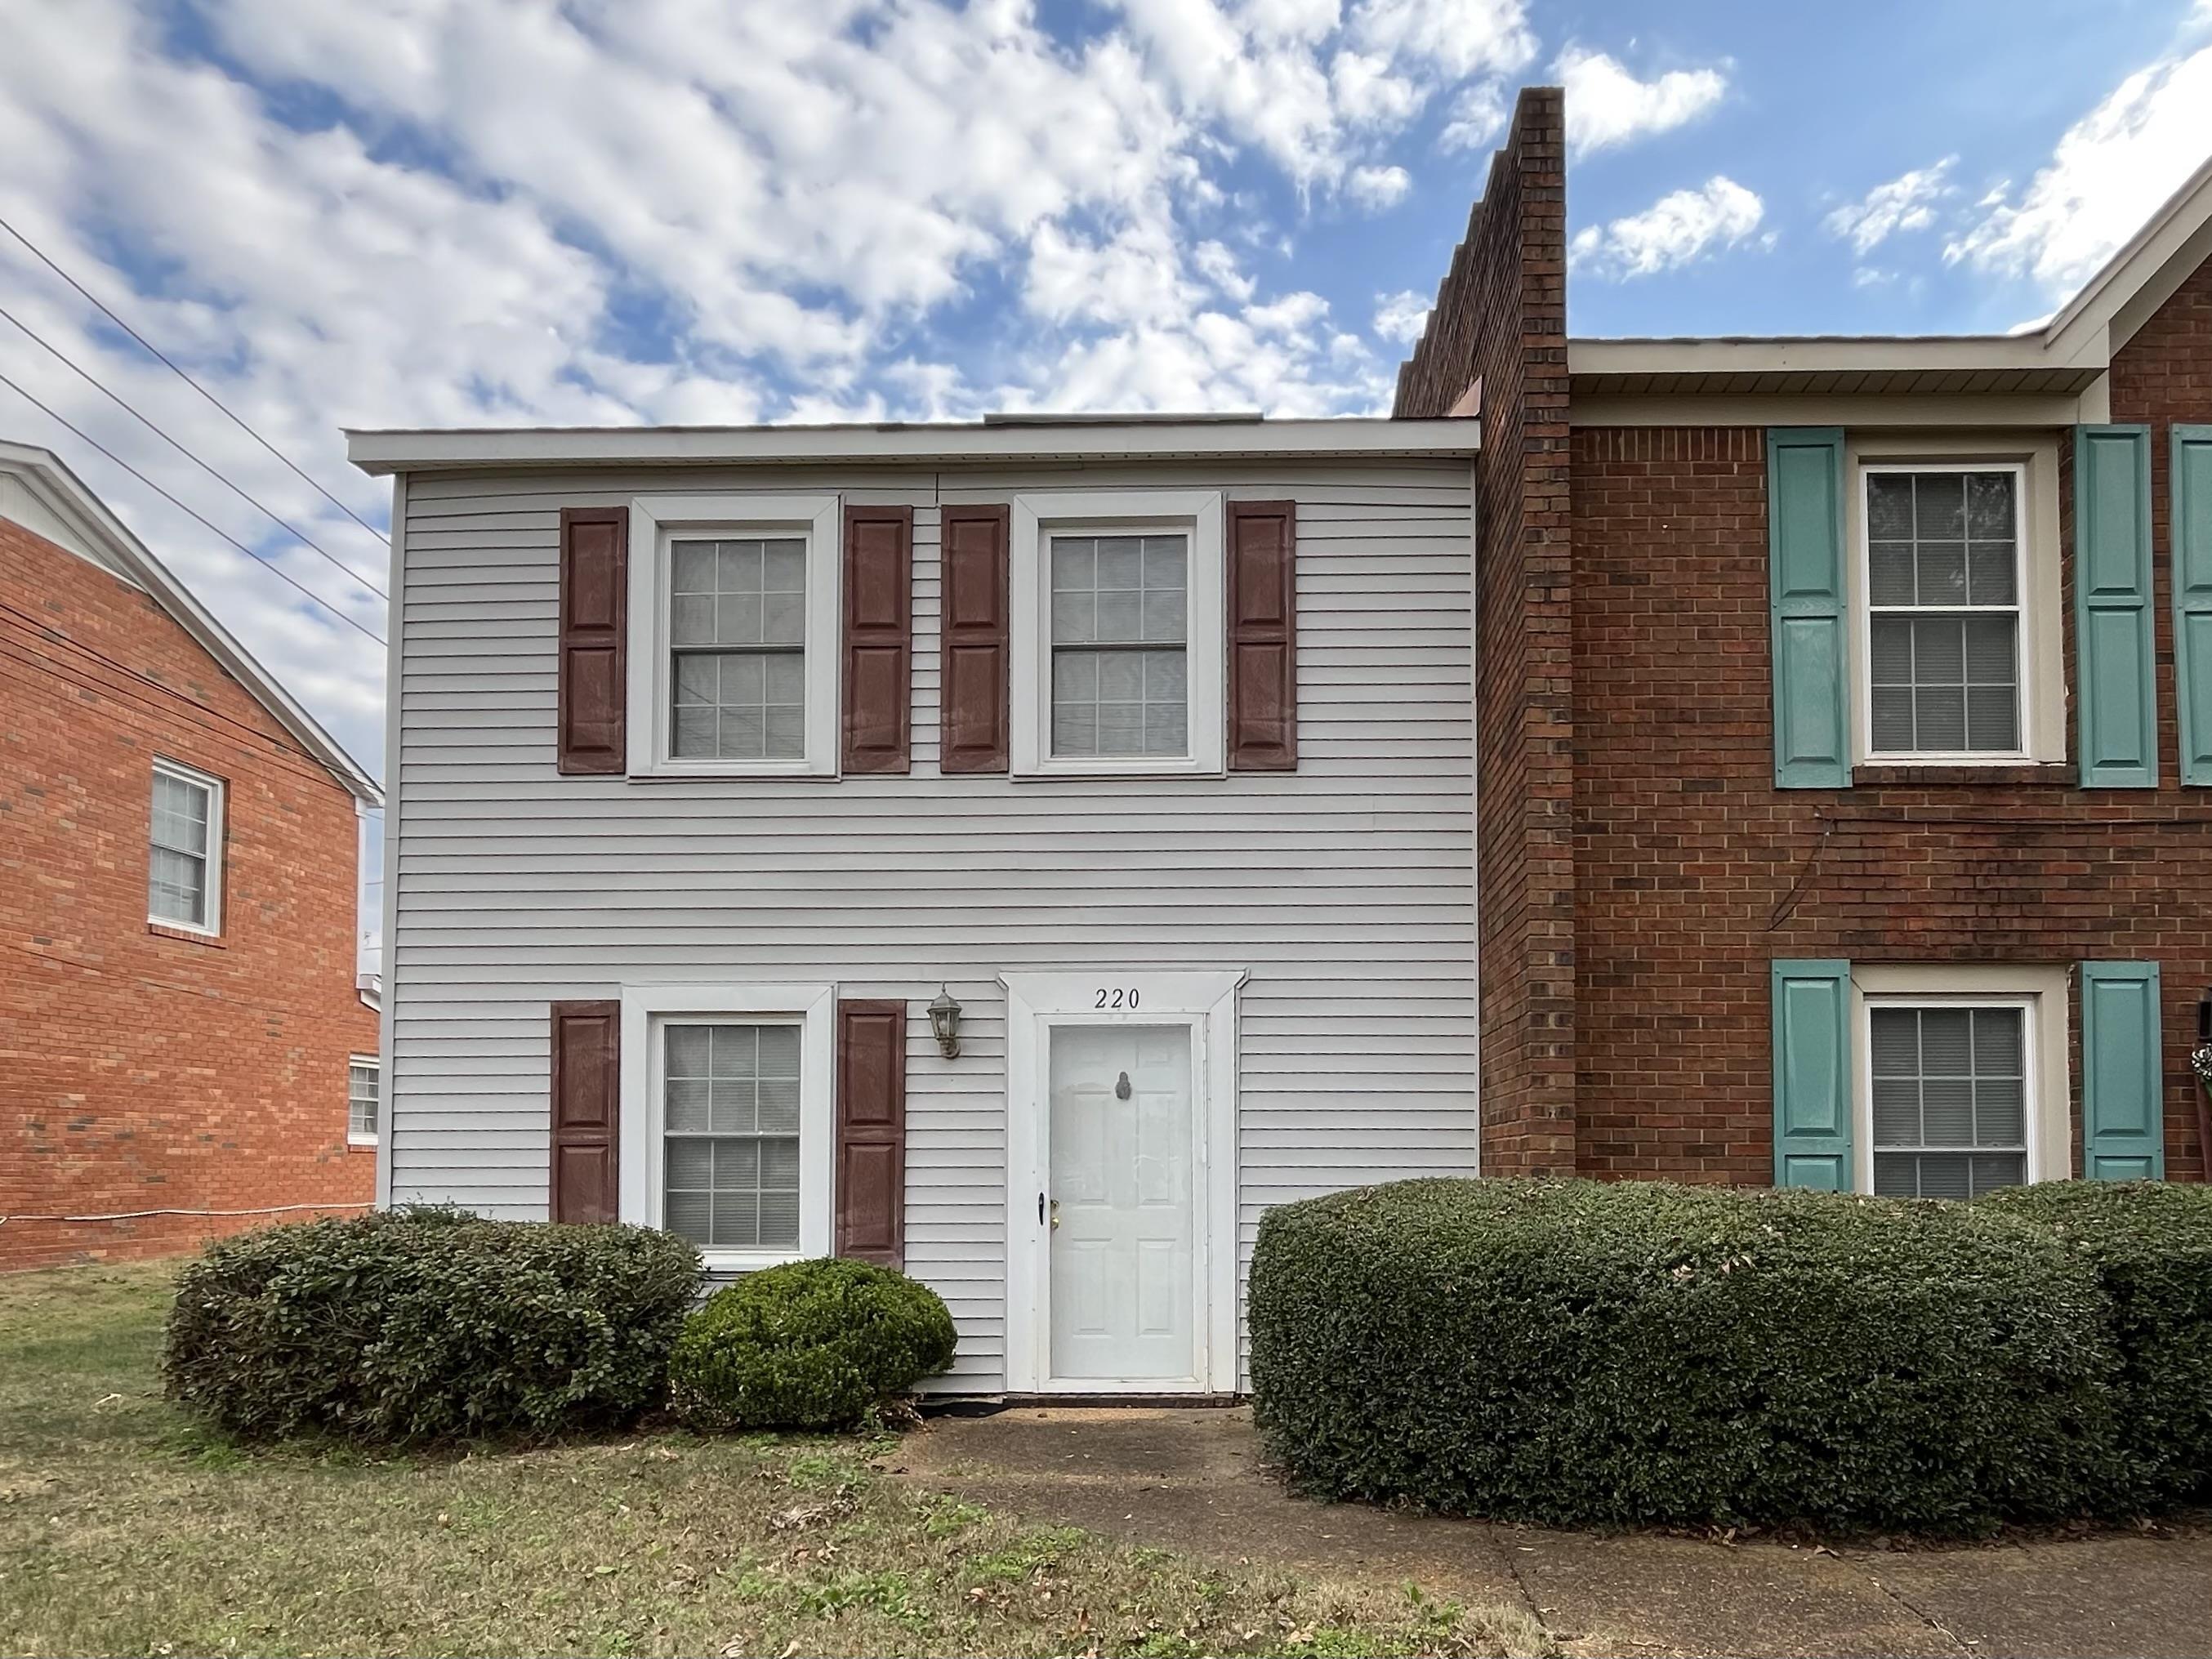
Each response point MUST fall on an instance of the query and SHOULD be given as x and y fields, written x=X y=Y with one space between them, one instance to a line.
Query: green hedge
x=1619 y=1353
x=2150 y=1244
x=415 y=1325
x=810 y=1345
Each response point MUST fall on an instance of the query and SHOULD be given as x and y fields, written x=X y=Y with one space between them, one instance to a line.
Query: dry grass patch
x=124 y=1530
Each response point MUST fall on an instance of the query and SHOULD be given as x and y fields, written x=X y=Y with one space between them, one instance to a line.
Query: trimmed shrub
x=1619 y=1353
x=413 y=1325
x=810 y=1345
x=2150 y=1243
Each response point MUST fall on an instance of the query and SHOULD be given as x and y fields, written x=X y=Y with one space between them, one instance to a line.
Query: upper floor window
x=183 y=877
x=1943 y=585
x=1117 y=642
x=733 y=613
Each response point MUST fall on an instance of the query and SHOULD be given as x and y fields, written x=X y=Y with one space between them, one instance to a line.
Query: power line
x=86 y=376
x=312 y=596
x=236 y=419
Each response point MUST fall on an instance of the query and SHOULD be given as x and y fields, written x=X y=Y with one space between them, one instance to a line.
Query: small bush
x=2150 y=1243
x=1622 y=1353
x=410 y=1325
x=810 y=1345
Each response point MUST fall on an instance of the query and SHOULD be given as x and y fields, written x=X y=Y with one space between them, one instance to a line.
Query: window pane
x=1889 y=506
x=1992 y=573
x=176 y=889
x=1946 y=1078
x=360 y=1099
x=732 y=1123
x=1939 y=511
x=746 y=703
x=1889 y=573
x=1939 y=719
x=739 y=705
x=1989 y=506
x=1120 y=703
x=1942 y=572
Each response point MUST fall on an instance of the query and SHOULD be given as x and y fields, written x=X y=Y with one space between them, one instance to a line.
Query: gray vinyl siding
x=1347 y=887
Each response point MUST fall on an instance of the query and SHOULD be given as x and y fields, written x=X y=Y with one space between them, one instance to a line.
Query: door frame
x=1207 y=1005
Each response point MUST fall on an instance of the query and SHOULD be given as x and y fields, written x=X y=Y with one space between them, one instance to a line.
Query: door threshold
x=955 y=1405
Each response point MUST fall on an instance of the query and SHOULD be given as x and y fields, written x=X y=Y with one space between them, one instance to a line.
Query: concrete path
x=1191 y=1480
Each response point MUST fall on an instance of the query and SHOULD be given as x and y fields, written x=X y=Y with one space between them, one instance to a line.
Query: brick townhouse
x=184 y=1027
x=1846 y=725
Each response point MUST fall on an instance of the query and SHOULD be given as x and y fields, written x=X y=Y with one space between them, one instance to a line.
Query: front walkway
x=1191 y=1480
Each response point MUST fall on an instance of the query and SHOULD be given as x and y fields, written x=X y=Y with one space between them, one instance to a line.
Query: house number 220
x=1117 y=997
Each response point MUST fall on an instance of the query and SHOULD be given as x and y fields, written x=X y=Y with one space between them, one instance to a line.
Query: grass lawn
x=123 y=1529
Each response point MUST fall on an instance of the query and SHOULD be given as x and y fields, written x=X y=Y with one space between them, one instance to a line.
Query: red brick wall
x=1693 y=872
x=140 y=1070
x=1500 y=317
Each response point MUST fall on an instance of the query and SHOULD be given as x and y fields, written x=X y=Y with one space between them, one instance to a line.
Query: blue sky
x=426 y=212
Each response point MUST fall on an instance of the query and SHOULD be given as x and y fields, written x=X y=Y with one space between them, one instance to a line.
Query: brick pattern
x=141 y=1067
x=1500 y=317
x=1693 y=872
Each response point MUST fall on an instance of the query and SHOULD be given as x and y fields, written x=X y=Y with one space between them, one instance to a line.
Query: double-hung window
x=726 y=1121
x=733 y=641
x=183 y=878
x=1950 y=1094
x=1117 y=644
x=361 y=1079
x=1945 y=581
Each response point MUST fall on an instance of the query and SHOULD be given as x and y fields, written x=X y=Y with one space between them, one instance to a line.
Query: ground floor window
x=1949 y=1103
x=727 y=1118
x=1961 y=1083
x=362 y=1075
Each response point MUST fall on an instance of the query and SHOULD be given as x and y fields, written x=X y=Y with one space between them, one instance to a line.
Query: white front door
x=1121 y=1152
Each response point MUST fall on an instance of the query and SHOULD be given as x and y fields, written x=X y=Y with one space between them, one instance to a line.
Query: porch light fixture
x=944 y=1024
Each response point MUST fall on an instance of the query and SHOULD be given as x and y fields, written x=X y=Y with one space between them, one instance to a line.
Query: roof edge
x=381 y=451
x=48 y=476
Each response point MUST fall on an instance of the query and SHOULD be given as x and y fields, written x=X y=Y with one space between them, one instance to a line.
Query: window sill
x=190 y=936
x=794 y=774
x=361 y=1143
x=1952 y=775
x=746 y=1261
x=1089 y=771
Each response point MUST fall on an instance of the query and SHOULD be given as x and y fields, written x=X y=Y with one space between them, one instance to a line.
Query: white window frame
x=647 y=1011
x=1033 y=519
x=218 y=838
x=1206 y=1003
x=2041 y=994
x=658 y=521
x=2040 y=659
x=375 y=1063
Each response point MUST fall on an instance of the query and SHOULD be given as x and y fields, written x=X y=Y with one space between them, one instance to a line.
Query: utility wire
x=86 y=375
x=312 y=597
x=236 y=419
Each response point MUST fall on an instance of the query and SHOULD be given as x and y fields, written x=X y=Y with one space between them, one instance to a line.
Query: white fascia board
x=44 y=473
x=1809 y=356
x=383 y=452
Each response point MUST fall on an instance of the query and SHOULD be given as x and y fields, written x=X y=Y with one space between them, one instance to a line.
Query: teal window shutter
x=1805 y=599
x=1813 y=1075
x=2116 y=707
x=2123 y=1117
x=2192 y=598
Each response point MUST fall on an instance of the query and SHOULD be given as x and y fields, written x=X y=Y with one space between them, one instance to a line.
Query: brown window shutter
x=879 y=636
x=973 y=651
x=587 y=1110
x=870 y=1167
x=1263 y=646
x=594 y=606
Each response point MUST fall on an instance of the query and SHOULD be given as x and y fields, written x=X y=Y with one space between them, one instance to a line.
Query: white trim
x=388 y=925
x=657 y=520
x=1034 y=517
x=212 y=849
x=354 y=1137
x=2042 y=991
x=47 y=481
x=645 y=1008
x=378 y=451
x=1206 y=1003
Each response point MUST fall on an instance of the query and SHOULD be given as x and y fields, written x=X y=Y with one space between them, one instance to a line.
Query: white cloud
x=1403 y=317
x=1478 y=117
x=2110 y=173
x=611 y=211
x=1375 y=188
x=1906 y=203
x=1674 y=231
x=1607 y=104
